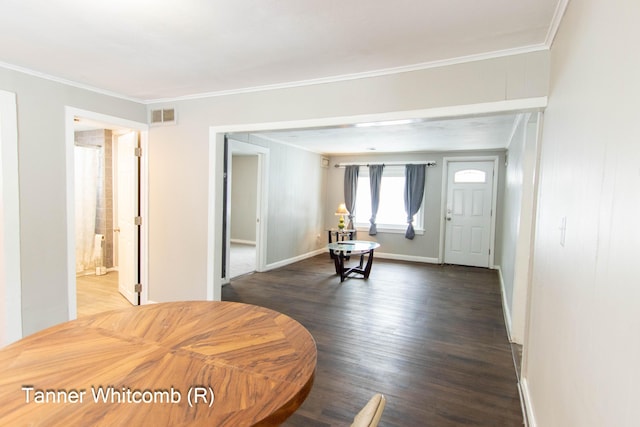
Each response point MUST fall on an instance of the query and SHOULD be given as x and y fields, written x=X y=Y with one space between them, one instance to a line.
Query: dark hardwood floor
x=430 y=338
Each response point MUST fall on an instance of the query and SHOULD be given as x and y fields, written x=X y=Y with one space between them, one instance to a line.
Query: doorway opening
x=96 y=229
x=245 y=210
x=106 y=188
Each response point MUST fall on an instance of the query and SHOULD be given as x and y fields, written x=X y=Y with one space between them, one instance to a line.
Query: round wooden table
x=170 y=364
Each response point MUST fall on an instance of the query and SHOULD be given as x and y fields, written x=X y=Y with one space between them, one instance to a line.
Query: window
x=470 y=176
x=391 y=214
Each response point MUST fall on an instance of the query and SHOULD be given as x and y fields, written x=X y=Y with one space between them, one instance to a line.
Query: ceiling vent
x=165 y=116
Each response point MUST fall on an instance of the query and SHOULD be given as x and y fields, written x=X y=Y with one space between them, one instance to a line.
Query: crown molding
x=363 y=75
x=561 y=8
x=310 y=82
x=66 y=82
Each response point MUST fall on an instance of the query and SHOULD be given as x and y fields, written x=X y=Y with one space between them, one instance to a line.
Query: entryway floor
x=96 y=294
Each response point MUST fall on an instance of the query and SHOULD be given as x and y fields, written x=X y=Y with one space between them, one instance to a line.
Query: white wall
x=510 y=224
x=516 y=225
x=180 y=266
x=42 y=174
x=581 y=355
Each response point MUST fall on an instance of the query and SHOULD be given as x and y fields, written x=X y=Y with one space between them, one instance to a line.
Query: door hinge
x=137 y=220
x=137 y=287
x=137 y=152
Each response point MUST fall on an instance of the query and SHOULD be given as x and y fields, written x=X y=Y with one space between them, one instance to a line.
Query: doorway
x=245 y=209
x=107 y=191
x=106 y=194
x=469 y=206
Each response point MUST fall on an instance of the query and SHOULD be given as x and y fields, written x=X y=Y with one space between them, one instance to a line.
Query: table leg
x=331 y=254
x=342 y=275
x=337 y=262
x=367 y=269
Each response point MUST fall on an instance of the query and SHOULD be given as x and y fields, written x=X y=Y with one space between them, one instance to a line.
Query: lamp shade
x=342 y=210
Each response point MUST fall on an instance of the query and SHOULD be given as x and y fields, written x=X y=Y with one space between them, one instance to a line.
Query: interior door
x=468 y=213
x=127 y=211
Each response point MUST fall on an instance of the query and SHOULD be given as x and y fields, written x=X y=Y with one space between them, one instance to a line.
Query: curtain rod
x=429 y=163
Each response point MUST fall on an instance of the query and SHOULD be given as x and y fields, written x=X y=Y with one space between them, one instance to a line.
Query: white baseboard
x=295 y=259
x=506 y=312
x=530 y=419
x=398 y=257
x=243 y=242
x=412 y=258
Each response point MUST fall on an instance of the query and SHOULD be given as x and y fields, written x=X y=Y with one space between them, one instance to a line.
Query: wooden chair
x=369 y=416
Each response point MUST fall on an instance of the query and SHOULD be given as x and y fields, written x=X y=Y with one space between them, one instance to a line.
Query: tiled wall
x=104 y=212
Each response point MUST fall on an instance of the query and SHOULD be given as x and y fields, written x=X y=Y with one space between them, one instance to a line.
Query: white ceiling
x=487 y=132
x=156 y=49
x=471 y=133
x=151 y=50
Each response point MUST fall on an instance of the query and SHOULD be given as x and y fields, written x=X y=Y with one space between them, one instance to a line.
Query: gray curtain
x=375 y=179
x=413 y=192
x=350 y=190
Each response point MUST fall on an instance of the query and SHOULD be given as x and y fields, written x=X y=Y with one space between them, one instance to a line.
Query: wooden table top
x=159 y=365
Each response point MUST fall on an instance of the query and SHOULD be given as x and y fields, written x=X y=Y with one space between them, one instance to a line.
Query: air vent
x=165 y=116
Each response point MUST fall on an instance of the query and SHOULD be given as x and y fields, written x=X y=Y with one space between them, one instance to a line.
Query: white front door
x=468 y=213
x=127 y=211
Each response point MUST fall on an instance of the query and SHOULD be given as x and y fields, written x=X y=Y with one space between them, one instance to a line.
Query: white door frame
x=10 y=276
x=236 y=146
x=494 y=201
x=143 y=128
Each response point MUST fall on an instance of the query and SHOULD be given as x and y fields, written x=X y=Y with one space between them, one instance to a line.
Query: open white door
x=127 y=216
x=468 y=213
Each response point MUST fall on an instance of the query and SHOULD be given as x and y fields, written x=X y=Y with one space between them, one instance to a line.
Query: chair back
x=369 y=416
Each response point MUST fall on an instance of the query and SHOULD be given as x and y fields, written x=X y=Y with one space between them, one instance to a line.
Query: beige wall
x=185 y=149
x=43 y=191
x=244 y=195
x=582 y=352
x=180 y=176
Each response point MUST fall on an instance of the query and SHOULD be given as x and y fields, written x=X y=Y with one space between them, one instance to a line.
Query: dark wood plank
x=430 y=338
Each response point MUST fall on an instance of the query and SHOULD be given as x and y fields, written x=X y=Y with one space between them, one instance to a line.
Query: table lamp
x=341 y=212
